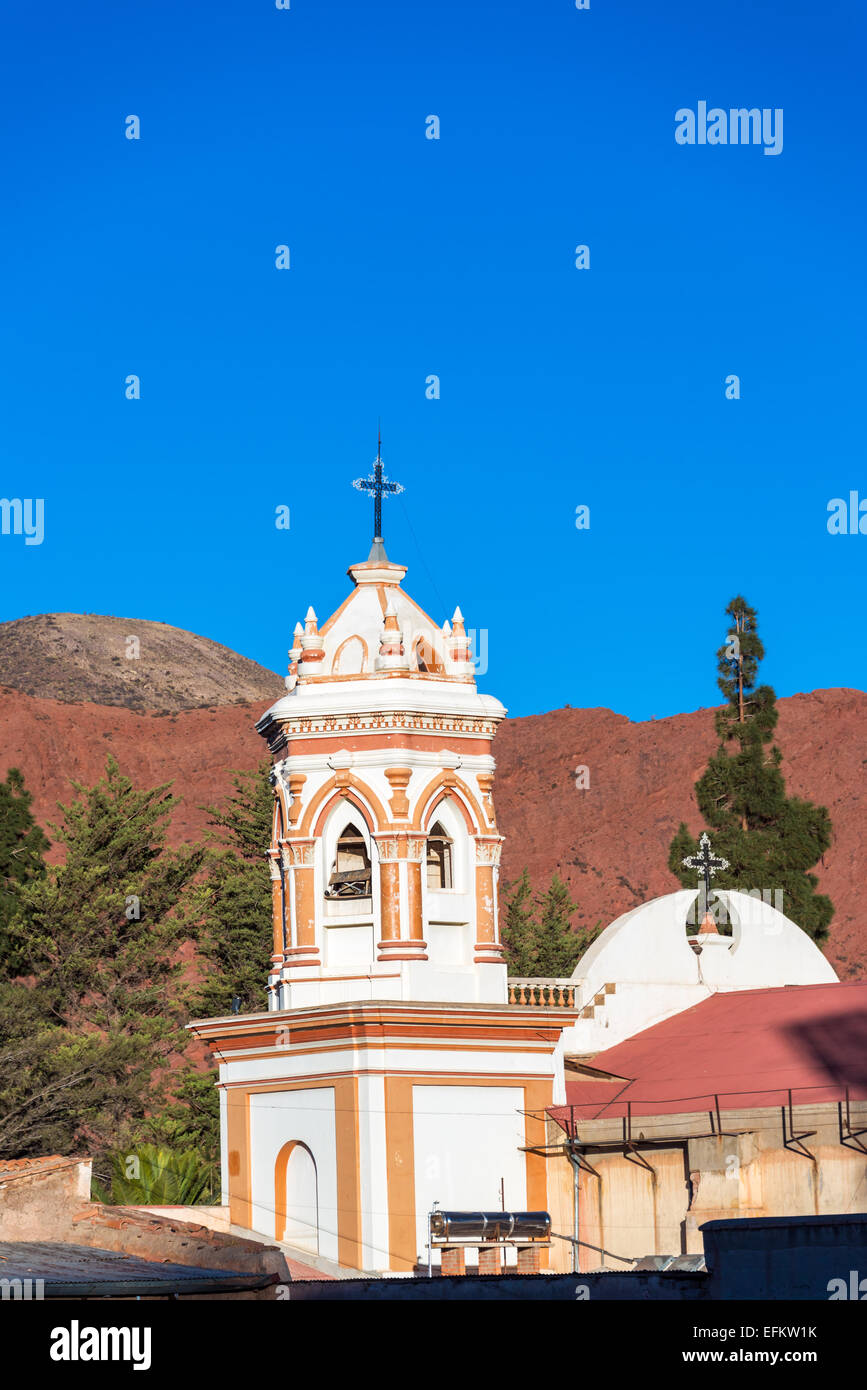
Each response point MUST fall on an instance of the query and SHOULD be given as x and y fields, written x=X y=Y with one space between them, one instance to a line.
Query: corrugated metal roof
x=80 y=1271
x=747 y=1048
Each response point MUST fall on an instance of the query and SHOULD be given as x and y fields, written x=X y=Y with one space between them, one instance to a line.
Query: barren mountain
x=126 y=661
x=608 y=840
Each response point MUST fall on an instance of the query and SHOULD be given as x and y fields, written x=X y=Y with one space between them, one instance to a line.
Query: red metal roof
x=747 y=1049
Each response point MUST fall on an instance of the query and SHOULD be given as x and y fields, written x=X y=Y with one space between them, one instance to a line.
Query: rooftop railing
x=540 y=993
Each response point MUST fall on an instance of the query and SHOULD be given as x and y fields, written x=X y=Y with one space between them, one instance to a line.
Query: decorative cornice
x=374 y=1016
x=387 y=722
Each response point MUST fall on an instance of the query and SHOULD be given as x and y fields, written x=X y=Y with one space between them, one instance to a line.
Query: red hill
x=609 y=841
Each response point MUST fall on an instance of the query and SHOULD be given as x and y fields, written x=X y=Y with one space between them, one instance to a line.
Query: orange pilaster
x=304 y=951
x=413 y=900
x=488 y=949
x=389 y=900
x=277 y=912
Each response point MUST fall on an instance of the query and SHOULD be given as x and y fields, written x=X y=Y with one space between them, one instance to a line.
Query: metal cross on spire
x=706 y=862
x=380 y=486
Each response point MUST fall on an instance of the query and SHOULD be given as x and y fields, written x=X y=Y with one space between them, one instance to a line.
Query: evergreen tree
x=191 y=1120
x=558 y=946
x=231 y=904
x=22 y=847
x=48 y=1078
x=520 y=929
x=101 y=934
x=770 y=840
x=234 y=901
x=537 y=934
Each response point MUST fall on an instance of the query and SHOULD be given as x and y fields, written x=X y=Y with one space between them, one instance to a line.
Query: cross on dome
x=706 y=862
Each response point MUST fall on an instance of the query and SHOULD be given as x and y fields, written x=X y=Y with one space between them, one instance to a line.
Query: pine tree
x=771 y=840
x=191 y=1120
x=537 y=935
x=558 y=946
x=234 y=902
x=521 y=928
x=101 y=930
x=101 y=934
x=52 y=1082
x=23 y=844
x=231 y=905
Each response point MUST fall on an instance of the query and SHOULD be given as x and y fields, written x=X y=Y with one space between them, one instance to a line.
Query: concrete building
x=750 y=1104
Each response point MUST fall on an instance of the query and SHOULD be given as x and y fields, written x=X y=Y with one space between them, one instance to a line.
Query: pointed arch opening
x=350 y=873
x=439 y=859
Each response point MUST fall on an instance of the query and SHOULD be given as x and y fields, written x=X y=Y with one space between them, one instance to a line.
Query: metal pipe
x=430 y=1217
x=576 y=1169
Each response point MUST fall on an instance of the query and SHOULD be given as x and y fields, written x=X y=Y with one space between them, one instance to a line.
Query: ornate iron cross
x=706 y=862
x=380 y=486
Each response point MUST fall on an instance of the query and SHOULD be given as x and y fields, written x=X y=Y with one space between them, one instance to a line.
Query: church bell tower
x=390 y=1072
x=385 y=851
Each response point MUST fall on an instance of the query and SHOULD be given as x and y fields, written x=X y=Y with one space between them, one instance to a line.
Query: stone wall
x=630 y=1210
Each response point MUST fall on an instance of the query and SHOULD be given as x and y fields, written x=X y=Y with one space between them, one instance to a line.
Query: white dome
x=649 y=945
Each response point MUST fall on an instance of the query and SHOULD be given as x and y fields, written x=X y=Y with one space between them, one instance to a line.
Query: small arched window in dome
x=350 y=659
x=426 y=659
x=440 y=872
x=350 y=872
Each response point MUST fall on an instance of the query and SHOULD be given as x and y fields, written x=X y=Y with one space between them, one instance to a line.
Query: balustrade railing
x=543 y=993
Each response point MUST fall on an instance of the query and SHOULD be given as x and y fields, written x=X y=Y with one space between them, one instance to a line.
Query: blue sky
x=454 y=257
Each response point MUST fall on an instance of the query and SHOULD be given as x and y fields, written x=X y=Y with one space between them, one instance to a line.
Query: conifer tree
x=771 y=840
x=51 y=1081
x=520 y=928
x=23 y=844
x=537 y=933
x=100 y=934
x=191 y=1119
x=558 y=945
x=101 y=929
x=234 y=900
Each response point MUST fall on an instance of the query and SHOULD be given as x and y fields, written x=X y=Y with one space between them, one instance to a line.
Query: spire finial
x=379 y=486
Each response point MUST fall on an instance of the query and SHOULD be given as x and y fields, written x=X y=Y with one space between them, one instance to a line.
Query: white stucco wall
x=277 y=1118
x=373 y=1172
x=466 y=1139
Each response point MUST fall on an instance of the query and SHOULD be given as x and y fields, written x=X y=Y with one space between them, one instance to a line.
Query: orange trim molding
x=350 y=788
x=446 y=784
